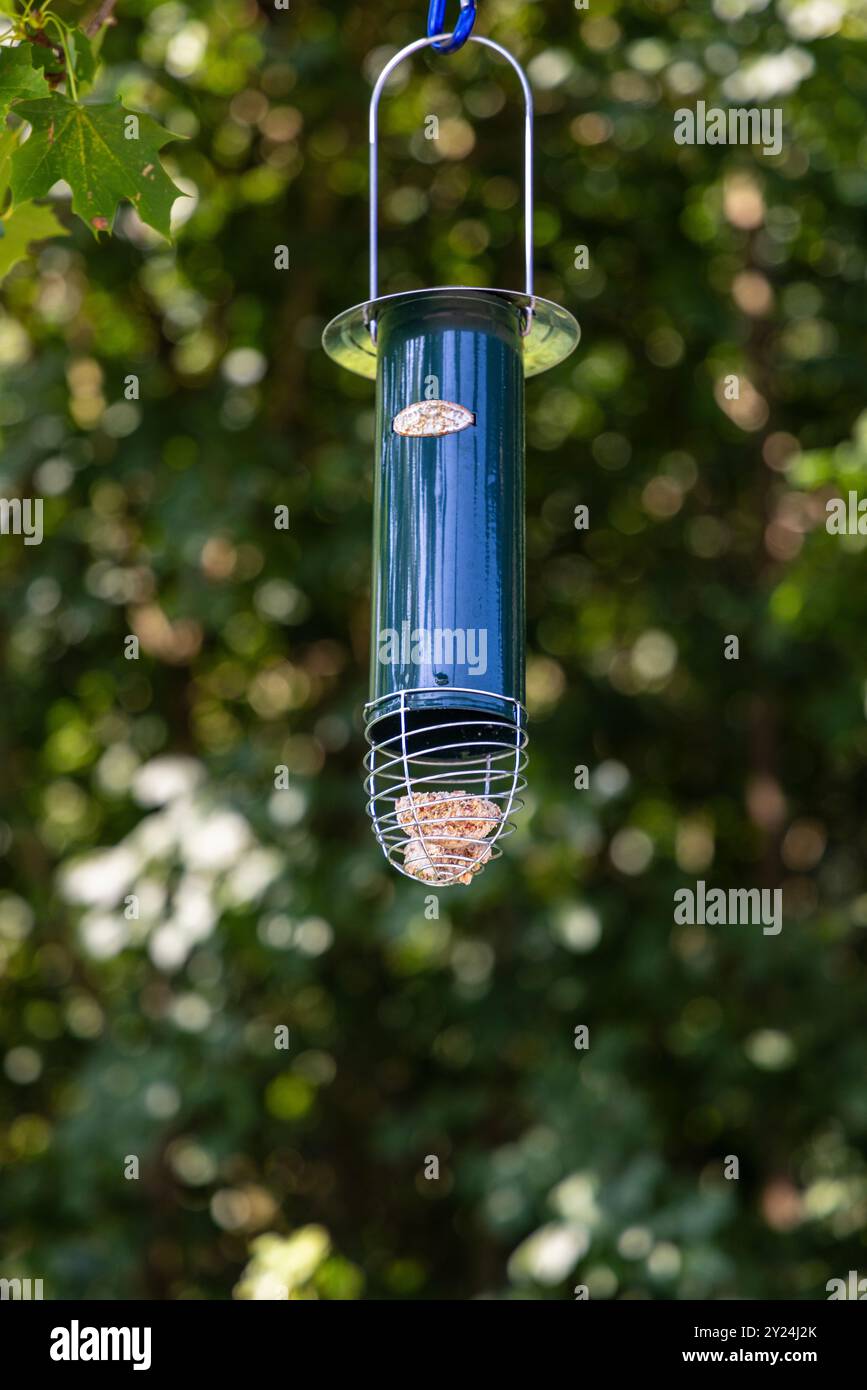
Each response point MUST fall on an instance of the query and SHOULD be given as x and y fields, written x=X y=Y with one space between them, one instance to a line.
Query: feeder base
x=443 y=780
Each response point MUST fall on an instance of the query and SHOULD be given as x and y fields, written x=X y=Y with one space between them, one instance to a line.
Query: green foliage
x=91 y=147
x=163 y=399
x=105 y=153
x=18 y=77
x=300 y=1266
x=31 y=222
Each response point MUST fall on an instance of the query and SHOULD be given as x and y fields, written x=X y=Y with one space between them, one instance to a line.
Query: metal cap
x=549 y=334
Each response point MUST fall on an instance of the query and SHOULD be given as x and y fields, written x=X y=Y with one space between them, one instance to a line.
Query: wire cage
x=442 y=783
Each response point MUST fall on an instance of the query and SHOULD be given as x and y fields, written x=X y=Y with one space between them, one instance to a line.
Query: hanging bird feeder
x=446 y=722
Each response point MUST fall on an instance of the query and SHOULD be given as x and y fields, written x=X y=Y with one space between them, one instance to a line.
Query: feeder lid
x=553 y=333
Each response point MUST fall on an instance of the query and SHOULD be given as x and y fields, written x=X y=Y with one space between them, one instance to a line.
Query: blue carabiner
x=436 y=24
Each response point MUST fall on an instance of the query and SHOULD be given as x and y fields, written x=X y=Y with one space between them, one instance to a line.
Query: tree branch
x=101 y=15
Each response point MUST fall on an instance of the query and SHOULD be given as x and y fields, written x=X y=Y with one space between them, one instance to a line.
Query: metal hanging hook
x=436 y=23
x=374 y=160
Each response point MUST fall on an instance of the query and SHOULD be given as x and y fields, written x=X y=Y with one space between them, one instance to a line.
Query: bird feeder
x=445 y=722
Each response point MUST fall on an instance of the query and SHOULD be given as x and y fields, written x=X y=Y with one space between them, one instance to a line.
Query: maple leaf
x=18 y=77
x=26 y=223
x=105 y=153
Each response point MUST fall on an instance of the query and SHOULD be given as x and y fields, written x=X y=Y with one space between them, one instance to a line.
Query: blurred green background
x=263 y=1168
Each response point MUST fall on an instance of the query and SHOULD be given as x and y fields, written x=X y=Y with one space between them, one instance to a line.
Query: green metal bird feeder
x=446 y=722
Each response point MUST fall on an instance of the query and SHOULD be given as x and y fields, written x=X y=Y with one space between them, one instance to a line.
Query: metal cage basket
x=442 y=782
